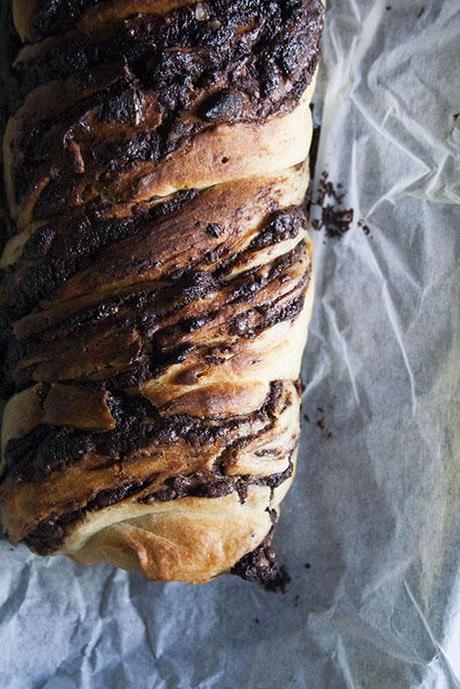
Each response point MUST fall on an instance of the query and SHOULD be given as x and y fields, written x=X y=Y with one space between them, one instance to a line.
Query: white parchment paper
x=375 y=510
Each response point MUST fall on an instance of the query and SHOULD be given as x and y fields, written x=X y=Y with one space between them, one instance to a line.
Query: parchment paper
x=375 y=509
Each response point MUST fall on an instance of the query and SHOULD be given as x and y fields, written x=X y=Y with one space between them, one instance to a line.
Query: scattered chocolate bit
x=307 y=418
x=420 y=12
x=280 y=583
x=256 y=620
x=320 y=423
x=326 y=189
x=365 y=228
x=333 y=219
x=307 y=565
x=388 y=7
x=273 y=515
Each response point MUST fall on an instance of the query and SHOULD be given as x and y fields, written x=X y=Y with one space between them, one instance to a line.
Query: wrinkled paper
x=375 y=510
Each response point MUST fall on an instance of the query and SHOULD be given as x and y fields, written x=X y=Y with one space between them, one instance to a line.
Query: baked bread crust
x=157 y=281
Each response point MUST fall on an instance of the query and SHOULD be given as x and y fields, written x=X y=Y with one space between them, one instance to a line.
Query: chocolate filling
x=138 y=424
x=54 y=16
x=145 y=313
x=49 y=535
x=261 y=567
x=52 y=256
x=272 y=42
x=212 y=485
x=250 y=61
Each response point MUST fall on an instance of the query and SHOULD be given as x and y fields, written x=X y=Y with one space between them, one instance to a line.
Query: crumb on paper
x=364 y=227
x=328 y=209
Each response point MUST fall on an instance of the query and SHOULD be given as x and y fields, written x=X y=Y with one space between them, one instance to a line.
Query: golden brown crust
x=221 y=155
x=159 y=285
x=192 y=543
x=256 y=448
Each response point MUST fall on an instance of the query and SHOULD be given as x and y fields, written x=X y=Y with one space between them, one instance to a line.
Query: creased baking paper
x=371 y=531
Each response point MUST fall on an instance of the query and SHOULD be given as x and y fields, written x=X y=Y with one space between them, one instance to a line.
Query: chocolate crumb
x=307 y=418
x=332 y=218
x=365 y=228
x=420 y=12
x=307 y=565
x=320 y=423
x=256 y=620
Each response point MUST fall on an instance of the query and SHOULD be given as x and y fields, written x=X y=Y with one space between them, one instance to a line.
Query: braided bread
x=157 y=280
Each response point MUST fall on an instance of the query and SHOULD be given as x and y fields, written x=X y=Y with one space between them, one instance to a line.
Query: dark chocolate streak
x=49 y=535
x=138 y=424
x=267 y=42
x=212 y=485
x=58 y=15
x=56 y=252
x=145 y=312
x=250 y=61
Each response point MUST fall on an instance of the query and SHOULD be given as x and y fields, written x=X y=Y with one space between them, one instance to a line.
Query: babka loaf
x=157 y=279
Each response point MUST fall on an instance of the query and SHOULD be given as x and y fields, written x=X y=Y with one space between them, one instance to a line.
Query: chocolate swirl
x=157 y=278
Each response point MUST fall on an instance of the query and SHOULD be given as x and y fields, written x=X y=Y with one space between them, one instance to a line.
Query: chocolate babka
x=157 y=279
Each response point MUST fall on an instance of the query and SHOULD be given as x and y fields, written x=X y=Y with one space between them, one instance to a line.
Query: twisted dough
x=157 y=285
